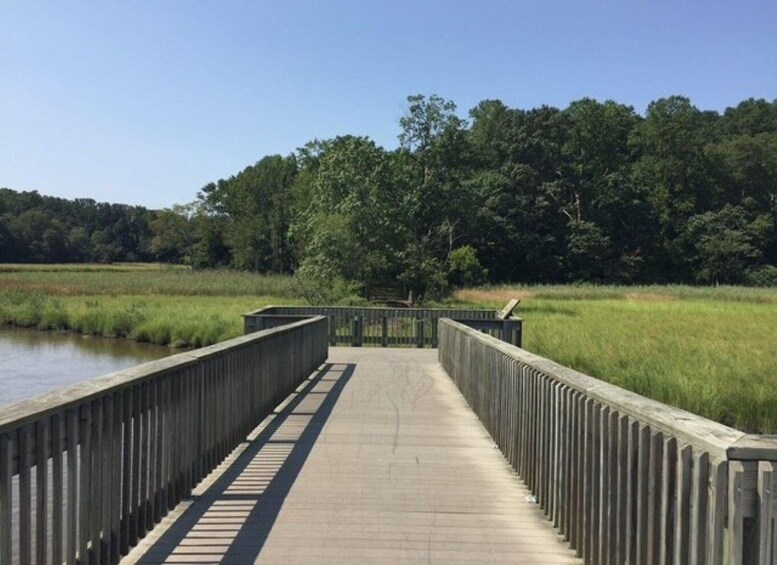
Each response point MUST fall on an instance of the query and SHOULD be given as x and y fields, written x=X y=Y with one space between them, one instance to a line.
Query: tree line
x=45 y=229
x=592 y=192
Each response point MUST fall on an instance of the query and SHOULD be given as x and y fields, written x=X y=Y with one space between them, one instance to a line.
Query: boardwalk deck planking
x=376 y=459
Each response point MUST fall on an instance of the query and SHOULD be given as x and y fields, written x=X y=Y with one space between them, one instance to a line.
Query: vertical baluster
x=582 y=487
x=6 y=493
x=25 y=496
x=767 y=519
x=668 y=500
x=602 y=525
x=57 y=487
x=97 y=480
x=716 y=509
x=655 y=466
x=612 y=507
x=109 y=486
x=701 y=470
x=588 y=481
x=574 y=477
x=116 y=493
x=163 y=464
x=144 y=461
x=736 y=515
x=154 y=511
x=643 y=494
x=632 y=491
x=126 y=479
x=136 y=469
x=85 y=491
x=682 y=507
x=72 y=484
x=41 y=491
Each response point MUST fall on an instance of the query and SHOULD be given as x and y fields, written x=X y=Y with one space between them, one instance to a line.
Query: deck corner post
x=357 y=326
x=419 y=332
x=332 y=330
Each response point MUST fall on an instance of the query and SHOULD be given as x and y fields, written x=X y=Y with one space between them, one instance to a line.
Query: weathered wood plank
x=25 y=495
x=85 y=506
x=668 y=501
x=767 y=519
x=736 y=528
x=72 y=485
x=42 y=431
x=699 y=500
x=57 y=488
x=655 y=487
x=716 y=511
x=6 y=500
x=682 y=537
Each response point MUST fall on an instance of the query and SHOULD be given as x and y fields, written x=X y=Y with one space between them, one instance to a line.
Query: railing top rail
x=270 y=308
x=30 y=410
x=719 y=440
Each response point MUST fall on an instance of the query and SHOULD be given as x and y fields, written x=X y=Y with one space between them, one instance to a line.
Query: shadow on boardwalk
x=231 y=521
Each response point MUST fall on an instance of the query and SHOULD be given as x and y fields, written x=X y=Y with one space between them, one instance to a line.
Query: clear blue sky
x=146 y=101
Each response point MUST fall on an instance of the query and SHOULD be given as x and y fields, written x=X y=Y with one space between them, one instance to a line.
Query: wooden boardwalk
x=376 y=459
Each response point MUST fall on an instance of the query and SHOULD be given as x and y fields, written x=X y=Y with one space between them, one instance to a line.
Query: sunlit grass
x=141 y=279
x=709 y=351
x=165 y=320
x=140 y=301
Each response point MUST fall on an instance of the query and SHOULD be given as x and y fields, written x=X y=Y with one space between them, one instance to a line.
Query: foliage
x=465 y=268
x=593 y=192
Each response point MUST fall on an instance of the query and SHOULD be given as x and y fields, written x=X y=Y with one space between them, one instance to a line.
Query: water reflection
x=33 y=362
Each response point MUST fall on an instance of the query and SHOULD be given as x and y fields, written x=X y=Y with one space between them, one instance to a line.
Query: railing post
x=419 y=332
x=752 y=500
x=384 y=331
x=356 y=331
x=332 y=330
x=511 y=332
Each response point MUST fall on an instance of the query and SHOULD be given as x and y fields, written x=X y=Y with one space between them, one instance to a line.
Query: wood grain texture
x=649 y=483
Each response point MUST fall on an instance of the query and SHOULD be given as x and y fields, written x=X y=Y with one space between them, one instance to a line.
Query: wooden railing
x=86 y=471
x=386 y=327
x=623 y=478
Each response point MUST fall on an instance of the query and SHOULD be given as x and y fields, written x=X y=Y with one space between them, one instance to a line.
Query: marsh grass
x=143 y=281
x=145 y=302
x=708 y=350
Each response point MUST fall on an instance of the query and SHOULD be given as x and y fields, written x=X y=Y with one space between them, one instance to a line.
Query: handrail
x=386 y=326
x=124 y=449
x=625 y=479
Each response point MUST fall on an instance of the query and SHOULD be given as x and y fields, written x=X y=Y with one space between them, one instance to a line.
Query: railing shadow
x=231 y=521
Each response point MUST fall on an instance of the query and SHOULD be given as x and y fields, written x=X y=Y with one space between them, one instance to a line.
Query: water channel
x=33 y=362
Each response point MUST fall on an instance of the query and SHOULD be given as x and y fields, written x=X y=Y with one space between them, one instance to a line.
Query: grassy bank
x=152 y=303
x=708 y=350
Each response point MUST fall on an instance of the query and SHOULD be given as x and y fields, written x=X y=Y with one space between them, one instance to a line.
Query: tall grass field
x=151 y=303
x=712 y=351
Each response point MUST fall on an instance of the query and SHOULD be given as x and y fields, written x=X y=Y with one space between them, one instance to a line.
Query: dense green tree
x=725 y=245
x=351 y=226
x=590 y=192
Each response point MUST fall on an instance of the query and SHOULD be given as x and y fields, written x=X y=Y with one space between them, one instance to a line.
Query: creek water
x=33 y=362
